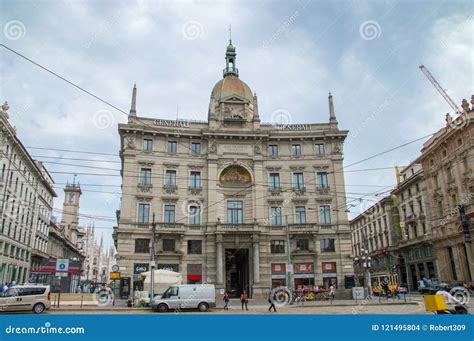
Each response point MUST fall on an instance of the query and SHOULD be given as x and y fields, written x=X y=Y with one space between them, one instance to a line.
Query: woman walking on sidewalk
x=226 y=300
x=245 y=300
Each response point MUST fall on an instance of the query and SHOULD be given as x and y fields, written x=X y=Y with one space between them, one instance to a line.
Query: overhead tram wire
x=82 y=89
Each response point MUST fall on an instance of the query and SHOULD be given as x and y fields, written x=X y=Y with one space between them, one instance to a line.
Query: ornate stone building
x=26 y=201
x=415 y=247
x=219 y=191
x=374 y=240
x=447 y=161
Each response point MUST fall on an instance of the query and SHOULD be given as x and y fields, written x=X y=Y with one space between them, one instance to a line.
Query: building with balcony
x=374 y=240
x=447 y=161
x=417 y=260
x=220 y=192
x=26 y=202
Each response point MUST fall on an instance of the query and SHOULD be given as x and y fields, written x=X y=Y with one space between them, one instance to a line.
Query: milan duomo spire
x=133 y=108
x=332 y=114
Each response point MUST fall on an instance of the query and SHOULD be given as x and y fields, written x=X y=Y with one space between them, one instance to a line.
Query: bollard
x=82 y=299
x=59 y=298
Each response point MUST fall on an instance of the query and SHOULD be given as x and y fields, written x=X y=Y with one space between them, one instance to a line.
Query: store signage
x=114 y=275
x=62 y=265
x=171 y=123
x=140 y=267
x=293 y=126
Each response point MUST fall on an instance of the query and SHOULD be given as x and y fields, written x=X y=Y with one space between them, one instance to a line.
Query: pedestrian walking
x=226 y=300
x=271 y=300
x=244 y=299
x=397 y=291
x=332 y=292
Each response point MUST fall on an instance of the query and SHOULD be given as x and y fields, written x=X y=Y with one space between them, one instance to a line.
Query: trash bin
x=358 y=293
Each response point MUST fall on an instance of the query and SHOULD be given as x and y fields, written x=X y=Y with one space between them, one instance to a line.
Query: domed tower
x=232 y=103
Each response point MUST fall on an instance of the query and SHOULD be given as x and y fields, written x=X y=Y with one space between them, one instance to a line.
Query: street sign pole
x=288 y=251
x=152 y=258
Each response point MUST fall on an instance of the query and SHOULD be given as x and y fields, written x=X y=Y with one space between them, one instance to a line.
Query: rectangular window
x=148 y=145
x=234 y=212
x=195 y=180
x=170 y=178
x=325 y=214
x=327 y=245
x=319 y=149
x=273 y=150
x=322 y=180
x=298 y=181
x=169 y=245
x=194 y=247
x=275 y=215
x=143 y=213
x=296 y=149
x=300 y=212
x=169 y=214
x=172 y=147
x=142 y=245
x=145 y=177
x=302 y=244
x=274 y=181
x=196 y=148
x=194 y=215
x=277 y=246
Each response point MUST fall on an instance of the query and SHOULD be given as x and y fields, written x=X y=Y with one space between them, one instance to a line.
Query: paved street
x=414 y=305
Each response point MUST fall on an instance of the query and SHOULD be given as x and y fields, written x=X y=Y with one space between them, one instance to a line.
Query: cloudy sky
x=291 y=53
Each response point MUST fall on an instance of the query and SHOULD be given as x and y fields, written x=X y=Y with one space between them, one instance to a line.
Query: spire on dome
x=230 y=56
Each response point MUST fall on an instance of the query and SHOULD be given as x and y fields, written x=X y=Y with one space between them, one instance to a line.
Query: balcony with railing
x=306 y=227
x=145 y=188
x=299 y=190
x=193 y=190
x=228 y=227
x=170 y=188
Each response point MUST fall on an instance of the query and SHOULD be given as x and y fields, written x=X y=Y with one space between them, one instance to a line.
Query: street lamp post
x=366 y=259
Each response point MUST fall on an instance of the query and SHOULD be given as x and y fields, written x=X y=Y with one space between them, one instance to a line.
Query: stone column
x=219 y=265
x=256 y=262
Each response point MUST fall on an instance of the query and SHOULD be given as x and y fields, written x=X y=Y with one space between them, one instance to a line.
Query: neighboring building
x=61 y=250
x=26 y=201
x=96 y=260
x=447 y=161
x=374 y=236
x=415 y=235
x=220 y=189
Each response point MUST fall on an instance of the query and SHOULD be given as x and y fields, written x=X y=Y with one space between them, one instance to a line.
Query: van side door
x=173 y=298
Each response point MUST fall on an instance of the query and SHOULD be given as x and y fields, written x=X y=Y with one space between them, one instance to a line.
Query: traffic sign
x=115 y=268
x=62 y=265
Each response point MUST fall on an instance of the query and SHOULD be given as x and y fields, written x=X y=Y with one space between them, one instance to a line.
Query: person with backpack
x=244 y=299
x=271 y=300
x=226 y=300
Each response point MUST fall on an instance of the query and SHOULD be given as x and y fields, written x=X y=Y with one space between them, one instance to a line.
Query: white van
x=186 y=296
x=26 y=297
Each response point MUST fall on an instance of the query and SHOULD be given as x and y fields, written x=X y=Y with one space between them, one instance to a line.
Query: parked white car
x=26 y=297
x=186 y=296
